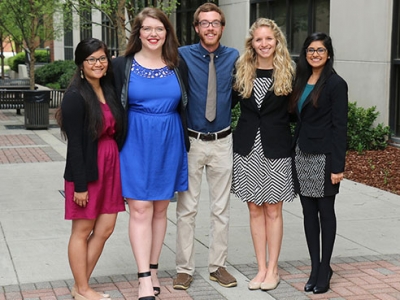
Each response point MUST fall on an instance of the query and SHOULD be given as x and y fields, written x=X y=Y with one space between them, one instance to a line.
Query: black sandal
x=157 y=289
x=145 y=274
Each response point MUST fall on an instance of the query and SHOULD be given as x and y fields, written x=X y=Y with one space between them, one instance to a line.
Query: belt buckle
x=209 y=136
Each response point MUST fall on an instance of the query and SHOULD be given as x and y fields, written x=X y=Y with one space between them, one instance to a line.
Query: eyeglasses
x=93 y=61
x=320 y=51
x=149 y=30
x=206 y=24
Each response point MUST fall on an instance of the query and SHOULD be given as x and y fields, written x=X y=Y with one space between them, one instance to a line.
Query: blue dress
x=153 y=158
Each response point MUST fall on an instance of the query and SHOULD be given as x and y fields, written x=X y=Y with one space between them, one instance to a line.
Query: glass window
x=296 y=18
x=86 y=23
x=299 y=25
x=109 y=35
x=394 y=111
x=321 y=16
x=68 y=35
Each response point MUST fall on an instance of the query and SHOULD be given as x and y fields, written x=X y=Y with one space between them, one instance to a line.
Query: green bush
x=41 y=56
x=18 y=59
x=235 y=116
x=58 y=73
x=361 y=133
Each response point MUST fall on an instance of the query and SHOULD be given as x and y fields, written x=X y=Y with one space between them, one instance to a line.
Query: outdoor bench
x=12 y=99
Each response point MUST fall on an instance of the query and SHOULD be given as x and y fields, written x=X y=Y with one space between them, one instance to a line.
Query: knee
x=140 y=212
x=255 y=211
x=160 y=214
x=103 y=234
x=273 y=211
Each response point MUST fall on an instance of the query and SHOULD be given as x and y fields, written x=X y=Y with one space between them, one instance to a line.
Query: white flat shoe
x=254 y=285
x=73 y=293
x=270 y=285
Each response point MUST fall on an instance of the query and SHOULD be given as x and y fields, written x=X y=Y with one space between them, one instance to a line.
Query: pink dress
x=105 y=194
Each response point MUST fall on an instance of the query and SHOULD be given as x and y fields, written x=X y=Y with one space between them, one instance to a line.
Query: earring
x=105 y=73
x=82 y=74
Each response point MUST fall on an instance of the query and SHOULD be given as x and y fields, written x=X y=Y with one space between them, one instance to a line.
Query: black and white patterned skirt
x=261 y=180
x=311 y=173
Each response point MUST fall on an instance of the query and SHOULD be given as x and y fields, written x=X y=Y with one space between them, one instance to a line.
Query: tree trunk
x=2 y=55
x=121 y=33
x=32 y=69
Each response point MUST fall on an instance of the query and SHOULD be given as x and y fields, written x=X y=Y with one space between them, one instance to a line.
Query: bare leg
x=102 y=230
x=259 y=236
x=140 y=235
x=159 y=227
x=274 y=229
x=78 y=256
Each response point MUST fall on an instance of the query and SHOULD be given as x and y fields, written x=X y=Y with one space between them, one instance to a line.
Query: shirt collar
x=204 y=52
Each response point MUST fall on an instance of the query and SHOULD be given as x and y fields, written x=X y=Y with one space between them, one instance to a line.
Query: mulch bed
x=377 y=168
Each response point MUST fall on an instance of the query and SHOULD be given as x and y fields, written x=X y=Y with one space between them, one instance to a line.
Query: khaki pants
x=216 y=158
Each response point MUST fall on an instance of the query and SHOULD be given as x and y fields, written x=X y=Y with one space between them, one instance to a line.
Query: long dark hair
x=170 y=47
x=94 y=115
x=304 y=70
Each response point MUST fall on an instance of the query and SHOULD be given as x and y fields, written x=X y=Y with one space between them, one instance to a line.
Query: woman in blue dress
x=154 y=155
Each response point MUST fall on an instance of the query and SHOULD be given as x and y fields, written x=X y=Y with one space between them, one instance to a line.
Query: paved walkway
x=34 y=236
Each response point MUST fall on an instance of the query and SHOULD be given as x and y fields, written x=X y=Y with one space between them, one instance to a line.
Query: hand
x=336 y=178
x=81 y=198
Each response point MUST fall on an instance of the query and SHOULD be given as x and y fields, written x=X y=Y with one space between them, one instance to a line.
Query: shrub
x=58 y=73
x=235 y=116
x=41 y=56
x=18 y=59
x=361 y=133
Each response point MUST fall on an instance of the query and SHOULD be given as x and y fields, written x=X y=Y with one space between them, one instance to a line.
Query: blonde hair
x=246 y=65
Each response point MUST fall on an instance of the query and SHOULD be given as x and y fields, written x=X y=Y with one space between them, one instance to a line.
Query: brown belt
x=209 y=136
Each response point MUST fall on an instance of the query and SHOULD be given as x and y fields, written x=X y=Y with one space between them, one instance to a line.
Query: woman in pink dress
x=91 y=119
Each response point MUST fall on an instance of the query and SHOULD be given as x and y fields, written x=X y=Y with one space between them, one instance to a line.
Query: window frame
x=311 y=18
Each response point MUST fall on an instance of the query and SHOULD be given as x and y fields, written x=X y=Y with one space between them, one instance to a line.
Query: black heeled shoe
x=323 y=289
x=312 y=281
x=145 y=274
x=157 y=289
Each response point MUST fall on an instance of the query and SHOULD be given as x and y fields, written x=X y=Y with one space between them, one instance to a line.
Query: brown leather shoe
x=182 y=281
x=223 y=277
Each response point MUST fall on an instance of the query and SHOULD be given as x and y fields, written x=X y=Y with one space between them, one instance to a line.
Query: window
x=68 y=35
x=394 y=119
x=296 y=18
x=85 y=22
x=109 y=35
x=184 y=20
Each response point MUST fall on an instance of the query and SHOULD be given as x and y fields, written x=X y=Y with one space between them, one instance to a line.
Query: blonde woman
x=262 y=175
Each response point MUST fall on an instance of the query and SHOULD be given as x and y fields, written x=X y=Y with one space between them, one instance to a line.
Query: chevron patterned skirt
x=261 y=180
x=311 y=173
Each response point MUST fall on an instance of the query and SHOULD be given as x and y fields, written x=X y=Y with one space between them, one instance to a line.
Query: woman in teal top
x=319 y=99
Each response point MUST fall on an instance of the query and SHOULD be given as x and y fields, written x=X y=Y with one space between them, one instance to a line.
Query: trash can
x=36 y=109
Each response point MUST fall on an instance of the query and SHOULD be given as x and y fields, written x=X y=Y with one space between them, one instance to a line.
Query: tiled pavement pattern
x=355 y=278
x=25 y=148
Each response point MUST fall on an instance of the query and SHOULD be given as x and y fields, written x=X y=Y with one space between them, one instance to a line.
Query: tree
x=117 y=10
x=30 y=23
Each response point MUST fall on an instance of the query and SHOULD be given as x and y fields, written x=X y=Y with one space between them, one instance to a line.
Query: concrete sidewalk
x=34 y=236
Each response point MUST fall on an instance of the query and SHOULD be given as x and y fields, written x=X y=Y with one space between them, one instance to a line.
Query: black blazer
x=272 y=119
x=323 y=129
x=81 y=165
x=122 y=67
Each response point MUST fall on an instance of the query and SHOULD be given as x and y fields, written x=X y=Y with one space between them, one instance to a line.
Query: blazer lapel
x=264 y=105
